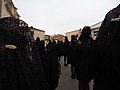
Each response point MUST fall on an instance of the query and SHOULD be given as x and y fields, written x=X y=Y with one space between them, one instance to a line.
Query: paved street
x=65 y=81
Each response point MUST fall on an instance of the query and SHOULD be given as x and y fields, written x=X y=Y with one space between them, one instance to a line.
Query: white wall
x=76 y=32
x=38 y=33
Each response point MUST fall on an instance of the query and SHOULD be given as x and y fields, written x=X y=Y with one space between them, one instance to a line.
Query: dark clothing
x=82 y=61
x=66 y=45
x=59 y=47
x=82 y=58
x=20 y=64
x=106 y=64
x=72 y=58
x=41 y=51
x=72 y=52
x=83 y=85
x=105 y=26
x=52 y=66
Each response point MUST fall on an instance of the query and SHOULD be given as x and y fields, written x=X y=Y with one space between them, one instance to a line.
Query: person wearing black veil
x=59 y=49
x=66 y=44
x=71 y=56
x=106 y=63
x=82 y=53
x=52 y=65
x=20 y=67
x=41 y=49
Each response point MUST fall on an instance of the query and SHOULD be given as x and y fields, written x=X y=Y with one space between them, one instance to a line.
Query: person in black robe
x=66 y=51
x=20 y=67
x=41 y=49
x=106 y=63
x=59 y=49
x=52 y=66
x=82 y=53
x=71 y=56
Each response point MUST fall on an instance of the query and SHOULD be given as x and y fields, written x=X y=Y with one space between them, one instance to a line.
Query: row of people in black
x=96 y=60
x=49 y=57
x=27 y=65
x=76 y=53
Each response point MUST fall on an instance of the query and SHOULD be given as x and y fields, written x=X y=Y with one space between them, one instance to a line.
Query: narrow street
x=65 y=81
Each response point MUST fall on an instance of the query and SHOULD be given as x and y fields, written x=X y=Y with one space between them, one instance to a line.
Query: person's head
x=49 y=41
x=37 y=39
x=105 y=27
x=73 y=38
x=66 y=38
x=85 y=34
x=53 y=41
x=86 y=31
x=42 y=42
x=15 y=32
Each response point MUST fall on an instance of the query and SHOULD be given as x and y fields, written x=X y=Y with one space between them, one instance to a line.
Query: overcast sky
x=61 y=16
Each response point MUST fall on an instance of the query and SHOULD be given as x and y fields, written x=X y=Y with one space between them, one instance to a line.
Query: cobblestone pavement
x=65 y=81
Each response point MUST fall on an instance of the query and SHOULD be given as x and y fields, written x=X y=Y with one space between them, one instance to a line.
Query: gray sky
x=61 y=16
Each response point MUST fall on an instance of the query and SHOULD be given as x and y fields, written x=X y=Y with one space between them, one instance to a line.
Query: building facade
x=95 y=29
x=76 y=32
x=59 y=37
x=38 y=33
x=7 y=9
